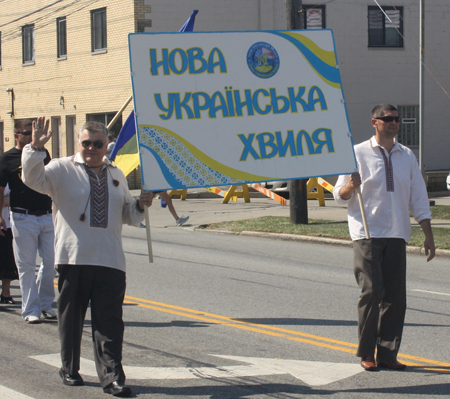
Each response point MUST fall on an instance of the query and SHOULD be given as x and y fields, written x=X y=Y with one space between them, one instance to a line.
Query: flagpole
x=187 y=27
x=117 y=116
x=421 y=86
x=147 y=218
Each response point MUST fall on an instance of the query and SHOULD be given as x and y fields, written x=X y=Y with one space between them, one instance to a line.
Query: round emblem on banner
x=263 y=60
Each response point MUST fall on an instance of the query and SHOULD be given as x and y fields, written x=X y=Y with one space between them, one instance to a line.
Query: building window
x=98 y=28
x=313 y=17
x=71 y=136
x=385 y=28
x=61 y=33
x=105 y=119
x=28 y=44
x=408 y=133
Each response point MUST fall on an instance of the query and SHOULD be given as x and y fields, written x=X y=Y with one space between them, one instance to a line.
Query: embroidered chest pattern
x=99 y=198
x=389 y=171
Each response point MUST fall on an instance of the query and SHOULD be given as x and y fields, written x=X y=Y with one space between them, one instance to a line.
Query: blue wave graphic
x=329 y=72
x=170 y=177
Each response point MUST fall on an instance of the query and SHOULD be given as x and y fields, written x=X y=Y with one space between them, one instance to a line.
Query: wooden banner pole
x=363 y=212
x=147 y=218
x=149 y=237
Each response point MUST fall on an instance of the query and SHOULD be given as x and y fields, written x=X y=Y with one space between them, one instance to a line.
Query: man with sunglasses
x=92 y=201
x=32 y=230
x=391 y=185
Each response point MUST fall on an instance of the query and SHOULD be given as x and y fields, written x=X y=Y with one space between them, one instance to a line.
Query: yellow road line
x=242 y=325
x=275 y=331
x=237 y=321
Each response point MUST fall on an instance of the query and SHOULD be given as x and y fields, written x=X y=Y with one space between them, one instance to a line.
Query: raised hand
x=40 y=132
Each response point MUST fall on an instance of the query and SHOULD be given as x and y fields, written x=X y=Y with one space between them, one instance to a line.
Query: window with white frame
x=385 y=26
x=408 y=133
x=98 y=29
x=28 y=44
x=61 y=34
x=313 y=17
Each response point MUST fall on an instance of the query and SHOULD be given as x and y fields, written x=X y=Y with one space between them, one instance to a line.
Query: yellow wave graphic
x=328 y=57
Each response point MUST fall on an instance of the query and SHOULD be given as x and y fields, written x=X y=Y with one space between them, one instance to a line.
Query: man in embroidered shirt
x=91 y=202
x=391 y=185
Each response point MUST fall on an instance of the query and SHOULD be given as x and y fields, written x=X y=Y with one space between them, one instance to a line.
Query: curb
x=297 y=237
x=320 y=240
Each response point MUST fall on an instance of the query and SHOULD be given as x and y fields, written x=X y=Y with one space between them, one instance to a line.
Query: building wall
x=217 y=15
x=81 y=84
x=374 y=75
x=100 y=83
x=369 y=75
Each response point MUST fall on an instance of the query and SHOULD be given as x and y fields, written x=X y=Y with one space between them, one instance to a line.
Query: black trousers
x=380 y=270
x=104 y=288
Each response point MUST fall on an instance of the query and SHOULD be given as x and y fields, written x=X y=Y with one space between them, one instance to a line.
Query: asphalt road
x=229 y=316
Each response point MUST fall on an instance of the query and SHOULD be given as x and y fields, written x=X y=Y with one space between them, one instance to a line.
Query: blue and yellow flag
x=125 y=153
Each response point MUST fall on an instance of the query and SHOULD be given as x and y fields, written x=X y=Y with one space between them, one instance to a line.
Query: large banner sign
x=226 y=108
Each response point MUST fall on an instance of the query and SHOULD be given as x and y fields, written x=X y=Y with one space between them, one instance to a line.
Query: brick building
x=68 y=59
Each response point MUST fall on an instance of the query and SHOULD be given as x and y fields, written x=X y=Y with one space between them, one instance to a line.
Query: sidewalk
x=204 y=207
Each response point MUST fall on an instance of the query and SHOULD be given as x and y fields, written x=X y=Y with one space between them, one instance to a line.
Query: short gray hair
x=94 y=127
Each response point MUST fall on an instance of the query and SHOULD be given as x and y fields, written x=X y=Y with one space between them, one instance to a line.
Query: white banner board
x=226 y=108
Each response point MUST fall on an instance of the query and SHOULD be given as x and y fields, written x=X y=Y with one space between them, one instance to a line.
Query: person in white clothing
x=391 y=185
x=32 y=230
x=111 y=145
x=91 y=202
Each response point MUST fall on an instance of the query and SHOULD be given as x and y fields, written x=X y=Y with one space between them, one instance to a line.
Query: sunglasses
x=26 y=133
x=97 y=143
x=389 y=118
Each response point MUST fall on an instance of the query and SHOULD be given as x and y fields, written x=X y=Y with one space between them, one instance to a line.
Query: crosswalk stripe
x=6 y=393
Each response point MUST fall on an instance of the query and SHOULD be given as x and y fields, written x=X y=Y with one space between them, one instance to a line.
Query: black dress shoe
x=117 y=388
x=71 y=380
x=6 y=299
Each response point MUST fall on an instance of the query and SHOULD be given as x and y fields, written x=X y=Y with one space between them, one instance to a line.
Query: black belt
x=34 y=213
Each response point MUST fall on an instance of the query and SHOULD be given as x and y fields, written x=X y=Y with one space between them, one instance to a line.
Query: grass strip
x=321 y=228
x=440 y=212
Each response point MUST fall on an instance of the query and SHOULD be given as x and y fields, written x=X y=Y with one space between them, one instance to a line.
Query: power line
x=31 y=13
x=18 y=32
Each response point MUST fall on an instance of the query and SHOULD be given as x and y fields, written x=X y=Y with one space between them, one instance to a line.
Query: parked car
x=448 y=182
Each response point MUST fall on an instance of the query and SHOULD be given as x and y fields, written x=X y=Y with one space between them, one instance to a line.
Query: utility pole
x=298 y=195
x=421 y=85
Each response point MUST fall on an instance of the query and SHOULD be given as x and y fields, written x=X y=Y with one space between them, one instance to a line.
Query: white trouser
x=32 y=234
